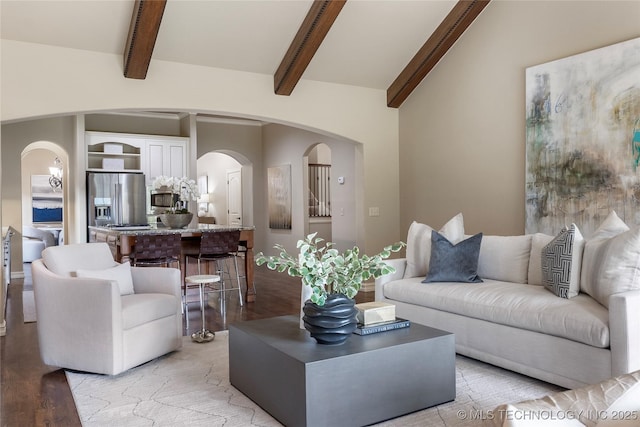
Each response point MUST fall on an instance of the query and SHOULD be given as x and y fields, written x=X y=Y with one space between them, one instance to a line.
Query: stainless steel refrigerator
x=116 y=199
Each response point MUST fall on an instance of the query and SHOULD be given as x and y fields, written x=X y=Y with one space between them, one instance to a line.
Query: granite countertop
x=155 y=228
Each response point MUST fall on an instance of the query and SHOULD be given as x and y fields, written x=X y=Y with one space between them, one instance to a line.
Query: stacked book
x=374 y=317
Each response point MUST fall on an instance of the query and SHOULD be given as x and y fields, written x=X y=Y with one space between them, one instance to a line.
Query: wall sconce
x=203 y=202
x=55 y=180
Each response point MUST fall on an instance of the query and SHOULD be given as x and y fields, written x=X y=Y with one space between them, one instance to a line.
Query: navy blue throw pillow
x=454 y=263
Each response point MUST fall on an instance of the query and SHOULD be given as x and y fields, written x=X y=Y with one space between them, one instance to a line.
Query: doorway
x=234 y=197
x=229 y=183
x=43 y=198
x=317 y=163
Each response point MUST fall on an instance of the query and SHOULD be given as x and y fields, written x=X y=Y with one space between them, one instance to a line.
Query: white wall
x=81 y=81
x=462 y=131
x=16 y=137
x=321 y=154
x=243 y=142
x=56 y=134
x=284 y=145
x=152 y=124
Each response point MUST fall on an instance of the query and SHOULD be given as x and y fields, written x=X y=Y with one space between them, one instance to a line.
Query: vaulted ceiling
x=382 y=44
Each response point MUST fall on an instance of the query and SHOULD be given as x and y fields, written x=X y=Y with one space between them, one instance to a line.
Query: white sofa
x=511 y=320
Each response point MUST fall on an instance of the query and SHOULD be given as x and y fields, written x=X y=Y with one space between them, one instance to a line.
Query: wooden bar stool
x=156 y=249
x=218 y=247
x=200 y=280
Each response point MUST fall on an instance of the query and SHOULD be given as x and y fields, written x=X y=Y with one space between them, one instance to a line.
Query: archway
x=216 y=166
x=44 y=205
x=318 y=214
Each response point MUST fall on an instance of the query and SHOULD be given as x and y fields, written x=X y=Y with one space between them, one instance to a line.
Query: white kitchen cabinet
x=113 y=152
x=153 y=155
x=165 y=157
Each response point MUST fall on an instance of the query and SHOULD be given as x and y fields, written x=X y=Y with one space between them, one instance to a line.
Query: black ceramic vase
x=333 y=322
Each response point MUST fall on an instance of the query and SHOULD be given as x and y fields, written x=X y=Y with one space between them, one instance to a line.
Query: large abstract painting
x=279 y=182
x=46 y=204
x=583 y=139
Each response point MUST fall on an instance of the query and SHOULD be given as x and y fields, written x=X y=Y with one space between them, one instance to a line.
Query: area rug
x=191 y=387
x=28 y=307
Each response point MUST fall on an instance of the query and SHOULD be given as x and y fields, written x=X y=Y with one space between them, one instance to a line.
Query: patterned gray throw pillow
x=561 y=261
x=454 y=263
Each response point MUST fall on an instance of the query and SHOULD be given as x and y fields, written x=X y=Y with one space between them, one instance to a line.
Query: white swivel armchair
x=96 y=315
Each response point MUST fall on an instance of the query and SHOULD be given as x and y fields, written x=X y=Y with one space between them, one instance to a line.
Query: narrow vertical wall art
x=279 y=193
x=583 y=139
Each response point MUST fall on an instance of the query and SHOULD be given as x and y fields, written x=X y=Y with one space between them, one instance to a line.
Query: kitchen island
x=122 y=239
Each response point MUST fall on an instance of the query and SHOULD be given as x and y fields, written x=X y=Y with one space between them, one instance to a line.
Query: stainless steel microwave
x=163 y=200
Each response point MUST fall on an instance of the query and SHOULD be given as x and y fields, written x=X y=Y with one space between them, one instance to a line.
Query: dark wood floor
x=34 y=394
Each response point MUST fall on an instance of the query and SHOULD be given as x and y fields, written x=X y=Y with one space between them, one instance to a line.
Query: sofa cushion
x=505 y=258
x=138 y=309
x=613 y=265
x=522 y=306
x=538 y=241
x=454 y=262
x=596 y=251
x=121 y=274
x=561 y=262
x=419 y=244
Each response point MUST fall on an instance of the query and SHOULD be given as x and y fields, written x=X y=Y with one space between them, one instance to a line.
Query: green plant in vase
x=326 y=270
x=334 y=277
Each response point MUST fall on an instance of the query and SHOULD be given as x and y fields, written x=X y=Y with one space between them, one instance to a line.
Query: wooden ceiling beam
x=143 y=31
x=311 y=33
x=451 y=28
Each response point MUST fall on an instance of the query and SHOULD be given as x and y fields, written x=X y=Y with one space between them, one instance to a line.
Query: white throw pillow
x=538 y=241
x=613 y=266
x=561 y=262
x=611 y=226
x=505 y=258
x=594 y=251
x=418 y=250
x=121 y=274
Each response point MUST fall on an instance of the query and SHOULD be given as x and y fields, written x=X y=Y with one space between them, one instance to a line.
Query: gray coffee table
x=366 y=380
